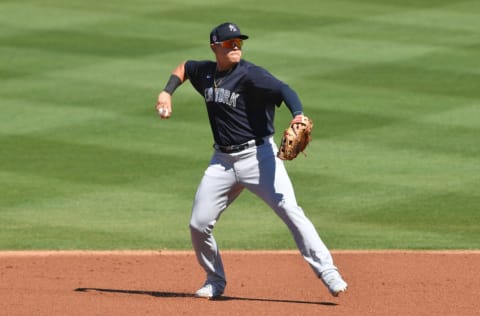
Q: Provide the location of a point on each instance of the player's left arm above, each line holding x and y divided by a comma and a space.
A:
291, 99
298, 135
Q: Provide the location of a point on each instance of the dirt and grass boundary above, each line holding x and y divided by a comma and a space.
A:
398, 282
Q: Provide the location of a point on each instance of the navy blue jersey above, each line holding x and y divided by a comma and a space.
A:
240, 102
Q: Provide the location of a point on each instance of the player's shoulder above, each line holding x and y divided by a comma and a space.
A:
199, 63
247, 65
198, 68
254, 70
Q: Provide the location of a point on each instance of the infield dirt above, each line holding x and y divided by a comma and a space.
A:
259, 283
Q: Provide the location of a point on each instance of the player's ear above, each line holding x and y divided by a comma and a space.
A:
212, 46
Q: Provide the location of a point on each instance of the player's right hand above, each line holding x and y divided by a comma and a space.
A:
164, 105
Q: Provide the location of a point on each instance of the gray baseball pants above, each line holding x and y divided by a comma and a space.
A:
258, 170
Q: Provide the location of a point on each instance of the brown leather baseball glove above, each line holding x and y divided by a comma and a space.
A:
295, 138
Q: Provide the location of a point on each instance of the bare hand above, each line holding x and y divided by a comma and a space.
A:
164, 105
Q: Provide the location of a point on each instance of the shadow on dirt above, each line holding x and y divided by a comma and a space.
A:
221, 298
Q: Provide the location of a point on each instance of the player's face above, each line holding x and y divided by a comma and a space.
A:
231, 43
228, 52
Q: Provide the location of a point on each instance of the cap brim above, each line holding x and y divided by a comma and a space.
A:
241, 36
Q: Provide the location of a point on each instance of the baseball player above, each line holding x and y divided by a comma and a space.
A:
241, 99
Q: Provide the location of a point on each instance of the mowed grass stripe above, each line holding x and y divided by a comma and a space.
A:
85, 163
399, 78
458, 19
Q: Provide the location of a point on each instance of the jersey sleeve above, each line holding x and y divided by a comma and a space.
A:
266, 85
191, 69
195, 72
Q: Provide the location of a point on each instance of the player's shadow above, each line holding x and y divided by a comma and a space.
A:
221, 298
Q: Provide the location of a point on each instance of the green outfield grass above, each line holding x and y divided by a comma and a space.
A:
393, 88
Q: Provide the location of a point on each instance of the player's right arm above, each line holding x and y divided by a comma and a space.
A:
164, 101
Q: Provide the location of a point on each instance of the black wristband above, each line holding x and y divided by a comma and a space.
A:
173, 83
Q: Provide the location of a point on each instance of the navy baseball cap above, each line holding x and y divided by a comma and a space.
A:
226, 31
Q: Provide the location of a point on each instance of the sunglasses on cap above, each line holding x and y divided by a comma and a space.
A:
235, 42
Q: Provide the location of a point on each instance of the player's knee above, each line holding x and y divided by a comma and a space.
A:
289, 207
291, 212
202, 228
